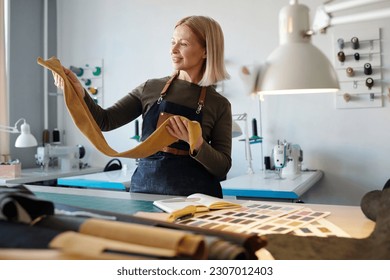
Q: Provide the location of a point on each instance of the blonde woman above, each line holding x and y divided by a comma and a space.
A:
197, 52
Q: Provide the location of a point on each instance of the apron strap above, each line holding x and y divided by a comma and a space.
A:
167, 84
202, 96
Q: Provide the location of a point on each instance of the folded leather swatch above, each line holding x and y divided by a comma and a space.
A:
18, 204
87, 125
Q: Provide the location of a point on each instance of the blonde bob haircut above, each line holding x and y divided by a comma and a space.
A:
210, 36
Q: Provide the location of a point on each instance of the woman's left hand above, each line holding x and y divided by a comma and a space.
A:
179, 129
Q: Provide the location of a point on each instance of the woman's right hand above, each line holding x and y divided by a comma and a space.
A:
59, 81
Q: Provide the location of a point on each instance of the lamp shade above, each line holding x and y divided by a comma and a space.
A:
236, 129
25, 139
296, 66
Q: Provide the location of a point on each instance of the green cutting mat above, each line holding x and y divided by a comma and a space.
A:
123, 206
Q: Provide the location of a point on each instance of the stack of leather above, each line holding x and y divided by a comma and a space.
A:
30, 229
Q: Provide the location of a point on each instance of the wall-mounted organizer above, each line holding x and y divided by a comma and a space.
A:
90, 75
357, 60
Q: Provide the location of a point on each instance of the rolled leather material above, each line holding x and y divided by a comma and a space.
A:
97, 241
183, 243
218, 244
85, 122
37, 254
96, 247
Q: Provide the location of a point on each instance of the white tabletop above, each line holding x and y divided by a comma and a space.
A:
270, 185
116, 179
349, 218
31, 175
259, 185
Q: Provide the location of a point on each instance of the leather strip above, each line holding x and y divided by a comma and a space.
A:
84, 120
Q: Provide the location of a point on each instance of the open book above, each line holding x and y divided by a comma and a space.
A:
201, 202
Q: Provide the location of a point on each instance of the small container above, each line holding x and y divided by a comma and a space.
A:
8, 170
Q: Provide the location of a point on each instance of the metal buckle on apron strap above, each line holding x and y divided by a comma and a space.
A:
201, 100
174, 151
160, 99
200, 106
168, 83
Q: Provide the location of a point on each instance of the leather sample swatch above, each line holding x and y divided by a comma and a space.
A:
87, 125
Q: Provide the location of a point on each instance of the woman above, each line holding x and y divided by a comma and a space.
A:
197, 51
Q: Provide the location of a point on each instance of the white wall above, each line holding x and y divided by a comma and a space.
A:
133, 38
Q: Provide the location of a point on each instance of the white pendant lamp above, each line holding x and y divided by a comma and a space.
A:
296, 66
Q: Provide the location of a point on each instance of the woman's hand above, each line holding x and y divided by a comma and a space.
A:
179, 129
59, 81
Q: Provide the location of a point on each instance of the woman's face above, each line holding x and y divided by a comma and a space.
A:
186, 51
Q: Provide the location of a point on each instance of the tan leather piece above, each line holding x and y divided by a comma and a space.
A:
182, 243
58, 254
96, 247
193, 246
85, 122
37, 254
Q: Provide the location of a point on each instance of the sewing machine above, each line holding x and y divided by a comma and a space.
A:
287, 158
65, 157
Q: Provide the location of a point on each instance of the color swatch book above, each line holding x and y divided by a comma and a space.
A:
202, 203
322, 228
258, 217
288, 223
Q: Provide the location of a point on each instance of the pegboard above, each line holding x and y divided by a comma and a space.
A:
357, 60
90, 74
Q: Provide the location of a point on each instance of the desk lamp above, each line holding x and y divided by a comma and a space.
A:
25, 139
236, 131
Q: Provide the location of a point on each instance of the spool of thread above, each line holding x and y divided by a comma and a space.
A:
350, 72
97, 72
347, 97
254, 127
356, 56
267, 163
136, 128
340, 42
77, 70
367, 69
369, 83
45, 137
56, 136
341, 56
355, 43
87, 82
93, 90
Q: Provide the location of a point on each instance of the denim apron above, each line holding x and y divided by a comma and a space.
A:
173, 172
